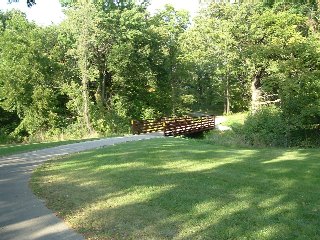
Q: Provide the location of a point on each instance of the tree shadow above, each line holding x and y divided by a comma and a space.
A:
193, 191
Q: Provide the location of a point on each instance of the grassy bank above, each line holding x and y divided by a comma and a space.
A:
9, 149
185, 189
235, 119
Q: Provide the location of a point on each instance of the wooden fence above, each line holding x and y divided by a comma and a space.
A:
174, 126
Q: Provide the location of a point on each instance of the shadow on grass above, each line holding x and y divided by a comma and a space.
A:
184, 189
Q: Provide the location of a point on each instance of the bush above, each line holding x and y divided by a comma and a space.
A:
265, 127
225, 138
304, 137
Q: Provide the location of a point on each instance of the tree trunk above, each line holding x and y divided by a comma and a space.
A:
83, 61
100, 91
173, 91
103, 91
256, 92
83, 65
227, 98
103, 88
86, 113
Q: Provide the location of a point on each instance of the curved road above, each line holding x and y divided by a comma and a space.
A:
22, 215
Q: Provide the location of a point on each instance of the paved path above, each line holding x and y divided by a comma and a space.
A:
22, 215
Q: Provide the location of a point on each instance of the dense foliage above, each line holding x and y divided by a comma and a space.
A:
111, 61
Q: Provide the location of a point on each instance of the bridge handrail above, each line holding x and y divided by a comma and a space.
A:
173, 126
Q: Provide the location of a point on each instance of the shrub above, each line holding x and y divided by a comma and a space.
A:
225, 138
265, 127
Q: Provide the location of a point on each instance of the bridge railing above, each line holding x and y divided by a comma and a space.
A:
147, 126
174, 126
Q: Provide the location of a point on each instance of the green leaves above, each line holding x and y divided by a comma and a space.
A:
28, 74
110, 61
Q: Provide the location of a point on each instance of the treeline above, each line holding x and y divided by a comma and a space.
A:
110, 62
102, 67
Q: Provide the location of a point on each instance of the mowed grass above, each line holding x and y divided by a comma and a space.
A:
9, 149
185, 189
235, 119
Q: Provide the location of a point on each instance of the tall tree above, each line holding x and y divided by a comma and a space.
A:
214, 46
170, 24
114, 44
28, 73
83, 22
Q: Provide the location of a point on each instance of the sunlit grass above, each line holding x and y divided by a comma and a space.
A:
185, 189
229, 137
236, 118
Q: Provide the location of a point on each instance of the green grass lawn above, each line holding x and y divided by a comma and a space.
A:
236, 118
9, 149
185, 189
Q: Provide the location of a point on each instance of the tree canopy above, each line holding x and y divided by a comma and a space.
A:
111, 61
30, 3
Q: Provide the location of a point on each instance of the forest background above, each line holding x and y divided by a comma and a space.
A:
110, 62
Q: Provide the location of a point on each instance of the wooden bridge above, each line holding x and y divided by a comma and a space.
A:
174, 126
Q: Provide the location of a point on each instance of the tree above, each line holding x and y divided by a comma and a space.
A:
83, 23
108, 5
168, 25
28, 80
114, 44
215, 48
30, 3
